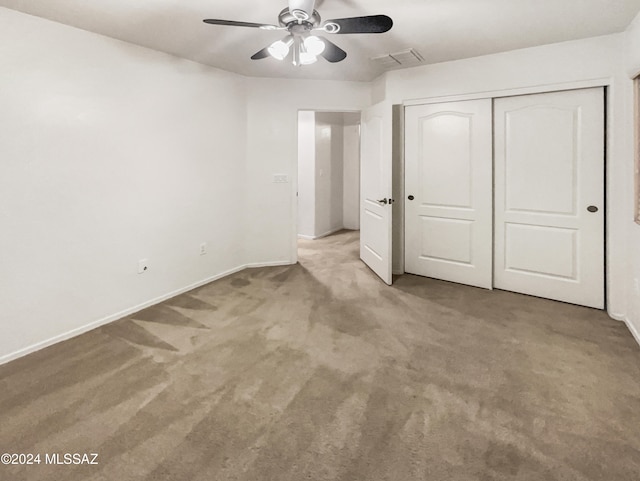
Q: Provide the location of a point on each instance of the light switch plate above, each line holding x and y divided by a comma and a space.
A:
280, 178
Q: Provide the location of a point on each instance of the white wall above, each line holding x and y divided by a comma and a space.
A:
632, 65
306, 174
273, 106
600, 60
329, 173
351, 159
109, 153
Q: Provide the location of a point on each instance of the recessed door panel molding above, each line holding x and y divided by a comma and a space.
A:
374, 155
448, 188
541, 161
549, 172
375, 190
446, 161
543, 251
447, 240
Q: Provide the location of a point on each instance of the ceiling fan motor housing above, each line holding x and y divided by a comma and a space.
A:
287, 19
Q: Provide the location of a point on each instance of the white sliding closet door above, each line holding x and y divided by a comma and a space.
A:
448, 191
549, 195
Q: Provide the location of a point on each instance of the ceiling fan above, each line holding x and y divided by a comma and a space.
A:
301, 21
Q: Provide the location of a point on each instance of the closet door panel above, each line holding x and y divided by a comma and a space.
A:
448, 187
549, 195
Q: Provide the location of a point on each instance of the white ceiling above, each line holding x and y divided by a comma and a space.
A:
440, 30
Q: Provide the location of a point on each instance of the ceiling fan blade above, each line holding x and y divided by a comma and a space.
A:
332, 53
368, 24
233, 23
264, 53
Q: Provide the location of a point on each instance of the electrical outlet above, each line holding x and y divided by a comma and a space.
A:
203, 248
143, 266
280, 178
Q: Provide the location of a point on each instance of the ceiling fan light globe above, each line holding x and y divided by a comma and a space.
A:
307, 58
314, 45
279, 50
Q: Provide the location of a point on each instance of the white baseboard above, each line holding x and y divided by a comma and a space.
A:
617, 316
254, 265
311, 237
635, 332
328, 233
119, 315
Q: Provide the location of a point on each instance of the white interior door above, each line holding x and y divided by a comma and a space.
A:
549, 195
448, 191
375, 190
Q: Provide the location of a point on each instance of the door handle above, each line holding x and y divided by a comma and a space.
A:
411, 197
592, 209
383, 201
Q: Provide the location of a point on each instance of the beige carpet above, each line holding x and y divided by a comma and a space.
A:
318, 371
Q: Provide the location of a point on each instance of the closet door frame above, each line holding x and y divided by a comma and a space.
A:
605, 83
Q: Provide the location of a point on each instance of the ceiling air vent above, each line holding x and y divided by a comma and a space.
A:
404, 58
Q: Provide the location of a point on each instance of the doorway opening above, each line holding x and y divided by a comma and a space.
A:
328, 173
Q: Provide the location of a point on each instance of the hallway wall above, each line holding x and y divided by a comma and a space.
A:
273, 105
306, 173
351, 160
328, 172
